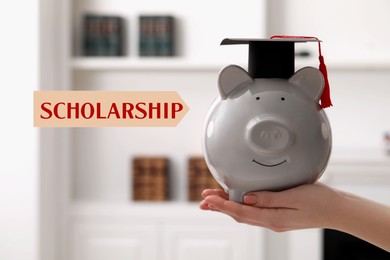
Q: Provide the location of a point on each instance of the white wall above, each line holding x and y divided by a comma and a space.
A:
18, 138
352, 30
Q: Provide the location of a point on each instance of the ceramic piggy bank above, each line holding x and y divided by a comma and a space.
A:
266, 133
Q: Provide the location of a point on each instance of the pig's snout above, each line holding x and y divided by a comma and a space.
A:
269, 135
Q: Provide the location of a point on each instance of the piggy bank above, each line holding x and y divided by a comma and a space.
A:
266, 133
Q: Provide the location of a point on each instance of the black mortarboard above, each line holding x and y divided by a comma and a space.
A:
270, 58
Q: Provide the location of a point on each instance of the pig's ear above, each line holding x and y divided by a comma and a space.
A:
230, 78
310, 80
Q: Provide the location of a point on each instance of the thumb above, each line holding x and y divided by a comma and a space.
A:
268, 199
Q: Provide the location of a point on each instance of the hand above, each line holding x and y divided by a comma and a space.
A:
306, 206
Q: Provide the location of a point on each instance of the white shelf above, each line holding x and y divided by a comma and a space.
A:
347, 63
152, 63
180, 63
142, 209
361, 155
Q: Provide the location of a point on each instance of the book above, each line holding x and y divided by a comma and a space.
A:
164, 42
156, 35
150, 179
199, 178
146, 36
103, 35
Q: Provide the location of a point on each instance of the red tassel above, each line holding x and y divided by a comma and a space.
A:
325, 97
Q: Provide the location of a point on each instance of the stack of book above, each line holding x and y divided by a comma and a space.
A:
156, 35
103, 36
150, 179
199, 179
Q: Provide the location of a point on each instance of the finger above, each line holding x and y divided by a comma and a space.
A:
272, 218
218, 192
268, 199
205, 206
243, 220
241, 213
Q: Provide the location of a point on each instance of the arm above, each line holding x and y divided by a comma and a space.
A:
307, 206
365, 219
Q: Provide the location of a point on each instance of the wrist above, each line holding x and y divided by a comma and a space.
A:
338, 210
346, 209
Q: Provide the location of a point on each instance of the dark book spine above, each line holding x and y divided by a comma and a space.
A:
193, 185
195, 180
156, 35
146, 36
91, 35
159, 179
103, 36
199, 178
100, 39
150, 179
164, 35
113, 36
139, 180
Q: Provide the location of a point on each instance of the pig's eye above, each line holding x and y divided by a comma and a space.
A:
257, 98
283, 99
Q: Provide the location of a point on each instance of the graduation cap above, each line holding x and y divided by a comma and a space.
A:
275, 58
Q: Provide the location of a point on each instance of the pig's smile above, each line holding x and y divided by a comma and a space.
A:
269, 165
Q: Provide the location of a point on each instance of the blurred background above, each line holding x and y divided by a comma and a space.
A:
132, 193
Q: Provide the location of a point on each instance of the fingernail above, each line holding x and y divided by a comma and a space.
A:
250, 199
207, 199
211, 207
